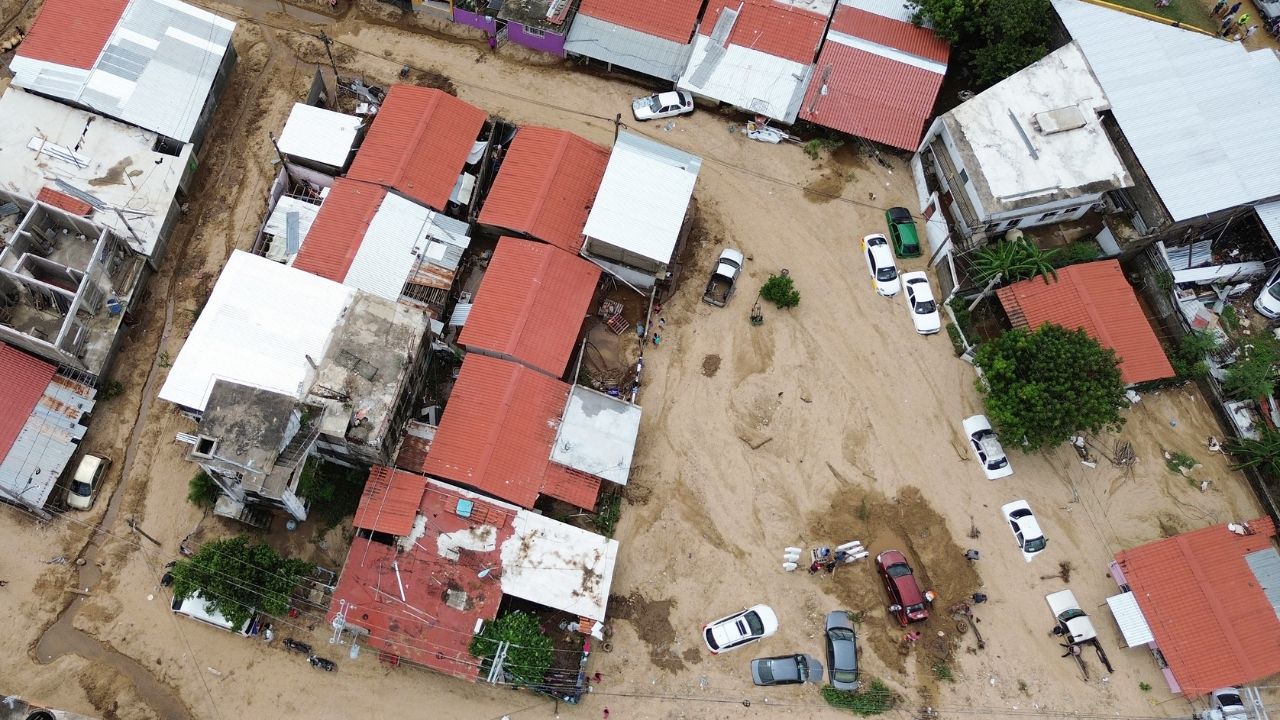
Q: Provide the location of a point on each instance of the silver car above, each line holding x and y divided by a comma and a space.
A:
842, 651
785, 670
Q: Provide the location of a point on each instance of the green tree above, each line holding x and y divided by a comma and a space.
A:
1042, 387
529, 654
237, 577
1253, 374
202, 491
1187, 358
781, 291
995, 37
1262, 454
1012, 261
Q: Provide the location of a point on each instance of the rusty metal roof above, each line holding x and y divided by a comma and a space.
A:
63, 201
66, 32
546, 186
23, 381
672, 20
770, 27
889, 32
419, 143
530, 305
1212, 622
1094, 297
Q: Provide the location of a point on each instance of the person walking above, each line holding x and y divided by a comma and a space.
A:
1218, 8
1249, 33
1234, 9
1244, 20
1225, 28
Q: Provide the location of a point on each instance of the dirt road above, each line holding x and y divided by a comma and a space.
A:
855, 421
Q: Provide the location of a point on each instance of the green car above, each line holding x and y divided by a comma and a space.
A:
902, 232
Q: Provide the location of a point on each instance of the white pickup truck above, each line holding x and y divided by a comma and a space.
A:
1072, 621
1224, 704
720, 287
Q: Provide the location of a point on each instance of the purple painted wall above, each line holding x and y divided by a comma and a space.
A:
549, 43
476, 20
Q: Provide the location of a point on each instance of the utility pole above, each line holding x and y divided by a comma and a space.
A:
283, 163
617, 125
328, 48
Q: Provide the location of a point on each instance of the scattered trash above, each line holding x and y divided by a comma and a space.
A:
59, 560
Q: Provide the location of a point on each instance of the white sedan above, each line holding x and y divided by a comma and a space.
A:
662, 105
879, 257
1026, 531
987, 447
924, 309
740, 628
1268, 302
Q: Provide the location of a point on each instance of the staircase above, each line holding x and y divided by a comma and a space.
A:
247, 514
298, 447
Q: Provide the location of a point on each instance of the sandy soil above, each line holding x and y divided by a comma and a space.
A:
831, 422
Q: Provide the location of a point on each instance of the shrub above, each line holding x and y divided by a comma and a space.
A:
111, 390
1252, 376
781, 291
332, 490
874, 699
607, 519
1074, 253
1187, 358
202, 491
528, 656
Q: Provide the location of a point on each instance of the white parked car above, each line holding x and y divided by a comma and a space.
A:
987, 447
1268, 302
1026, 531
879, 257
740, 628
1073, 623
87, 481
924, 309
662, 105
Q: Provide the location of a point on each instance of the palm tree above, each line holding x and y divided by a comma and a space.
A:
1013, 260
1262, 454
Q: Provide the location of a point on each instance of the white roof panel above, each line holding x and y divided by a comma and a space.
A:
749, 79
259, 327
597, 435
396, 237
643, 197
1133, 624
1269, 215
156, 70
558, 565
892, 9
114, 163
318, 134
1180, 98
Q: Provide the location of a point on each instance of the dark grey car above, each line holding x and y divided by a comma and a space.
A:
842, 651
785, 670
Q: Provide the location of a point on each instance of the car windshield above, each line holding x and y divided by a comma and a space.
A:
917, 608
1274, 291
81, 488
926, 307
886, 273
1069, 615
1229, 699
753, 621
840, 634
1035, 545
899, 570
655, 104
766, 671
845, 675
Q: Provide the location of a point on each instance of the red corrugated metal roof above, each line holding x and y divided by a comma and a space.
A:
63, 201
576, 488
424, 628
1211, 620
772, 28
904, 36
672, 20
1096, 298
419, 143
871, 96
530, 305
546, 186
339, 228
498, 428
71, 32
23, 381
390, 501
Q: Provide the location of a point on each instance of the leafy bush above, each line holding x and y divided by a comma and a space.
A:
607, 519
202, 491
957, 343
1043, 387
1262, 454
1077, 252
238, 578
816, 146
1179, 461
874, 699
333, 490
781, 291
1230, 319
1253, 375
111, 390
1012, 261
529, 654
1187, 358
943, 672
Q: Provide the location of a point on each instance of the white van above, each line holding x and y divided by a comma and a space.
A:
197, 608
87, 481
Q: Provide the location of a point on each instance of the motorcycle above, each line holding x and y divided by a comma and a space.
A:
294, 646
322, 663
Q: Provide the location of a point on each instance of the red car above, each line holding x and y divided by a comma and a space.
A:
900, 581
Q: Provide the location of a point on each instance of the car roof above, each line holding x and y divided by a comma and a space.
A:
991, 446
881, 253
669, 98
899, 214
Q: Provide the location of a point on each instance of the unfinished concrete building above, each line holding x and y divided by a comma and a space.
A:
65, 285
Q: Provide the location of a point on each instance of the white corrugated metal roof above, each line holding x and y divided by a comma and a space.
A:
1269, 214
558, 565
749, 79
260, 325
643, 197
597, 435
155, 72
317, 134
1181, 99
1133, 625
892, 9
1265, 566
628, 48
400, 233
